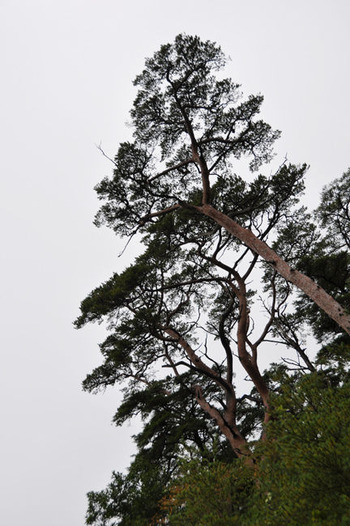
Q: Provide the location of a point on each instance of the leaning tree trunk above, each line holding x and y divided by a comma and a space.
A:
316, 293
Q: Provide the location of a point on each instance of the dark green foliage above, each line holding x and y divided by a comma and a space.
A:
304, 472
128, 500
332, 272
158, 170
334, 211
268, 198
210, 494
181, 78
172, 418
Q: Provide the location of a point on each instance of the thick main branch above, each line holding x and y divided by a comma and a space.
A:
316, 293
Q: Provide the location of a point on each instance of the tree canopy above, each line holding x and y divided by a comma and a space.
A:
233, 269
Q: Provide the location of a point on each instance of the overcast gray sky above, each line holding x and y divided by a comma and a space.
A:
66, 72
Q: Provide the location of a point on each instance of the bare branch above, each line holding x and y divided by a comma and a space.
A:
99, 147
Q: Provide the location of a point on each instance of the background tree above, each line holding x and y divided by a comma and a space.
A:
181, 313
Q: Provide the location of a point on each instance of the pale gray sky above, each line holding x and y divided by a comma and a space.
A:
66, 72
